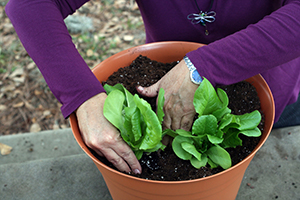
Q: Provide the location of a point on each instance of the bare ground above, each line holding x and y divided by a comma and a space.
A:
26, 102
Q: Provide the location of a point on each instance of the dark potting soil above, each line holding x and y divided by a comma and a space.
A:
165, 165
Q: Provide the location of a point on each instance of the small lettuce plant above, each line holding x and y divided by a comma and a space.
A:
214, 130
139, 126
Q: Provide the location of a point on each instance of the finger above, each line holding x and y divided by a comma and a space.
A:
176, 121
166, 140
129, 157
119, 154
116, 151
187, 122
166, 122
151, 91
175, 111
116, 160
99, 153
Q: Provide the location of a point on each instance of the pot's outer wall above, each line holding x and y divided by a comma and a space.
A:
223, 186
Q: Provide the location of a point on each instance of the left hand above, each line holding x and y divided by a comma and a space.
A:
179, 94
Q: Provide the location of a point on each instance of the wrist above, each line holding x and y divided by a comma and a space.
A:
98, 99
194, 74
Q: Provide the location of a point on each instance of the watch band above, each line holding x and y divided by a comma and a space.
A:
194, 75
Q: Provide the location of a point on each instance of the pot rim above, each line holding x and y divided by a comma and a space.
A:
77, 135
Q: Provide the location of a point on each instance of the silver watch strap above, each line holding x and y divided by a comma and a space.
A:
189, 64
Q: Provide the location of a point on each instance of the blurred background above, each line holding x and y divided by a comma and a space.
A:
99, 29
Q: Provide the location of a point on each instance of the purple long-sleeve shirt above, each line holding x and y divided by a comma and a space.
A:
248, 37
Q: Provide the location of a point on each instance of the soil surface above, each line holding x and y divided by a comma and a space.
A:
165, 165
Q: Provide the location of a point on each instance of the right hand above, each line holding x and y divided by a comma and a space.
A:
179, 94
101, 136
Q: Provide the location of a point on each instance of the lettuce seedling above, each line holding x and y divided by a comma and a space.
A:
214, 130
139, 126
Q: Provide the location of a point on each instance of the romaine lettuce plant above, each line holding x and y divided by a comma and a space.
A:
139, 126
214, 129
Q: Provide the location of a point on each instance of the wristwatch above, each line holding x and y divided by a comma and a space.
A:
194, 74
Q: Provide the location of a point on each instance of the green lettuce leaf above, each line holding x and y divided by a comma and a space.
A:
219, 156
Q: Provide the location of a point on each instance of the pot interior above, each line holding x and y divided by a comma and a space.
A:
169, 52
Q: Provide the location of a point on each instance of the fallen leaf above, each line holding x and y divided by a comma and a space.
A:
115, 19
37, 92
63, 126
17, 72
7, 28
8, 88
128, 38
117, 40
41, 107
20, 79
33, 120
46, 113
16, 92
17, 57
135, 6
29, 106
3, 107
5, 149
55, 126
31, 66
18, 105
35, 128
89, 53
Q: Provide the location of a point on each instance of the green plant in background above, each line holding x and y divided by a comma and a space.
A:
2, 62
214, 130
133, 24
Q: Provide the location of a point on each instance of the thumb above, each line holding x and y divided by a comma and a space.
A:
150, 91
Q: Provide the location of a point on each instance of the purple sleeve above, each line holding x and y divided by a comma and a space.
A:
273, 41
270, 47
42, 31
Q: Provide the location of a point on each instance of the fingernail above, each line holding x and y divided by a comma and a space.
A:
137, 171
140, 88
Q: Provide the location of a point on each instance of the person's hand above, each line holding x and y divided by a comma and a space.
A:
101, 136
179, 93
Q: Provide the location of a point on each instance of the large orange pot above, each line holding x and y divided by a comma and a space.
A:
224, 185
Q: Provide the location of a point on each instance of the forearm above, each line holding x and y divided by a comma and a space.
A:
269, 43
42, 31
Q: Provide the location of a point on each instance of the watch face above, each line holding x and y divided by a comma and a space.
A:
196, 77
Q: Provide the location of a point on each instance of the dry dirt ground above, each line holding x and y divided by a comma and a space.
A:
26, 103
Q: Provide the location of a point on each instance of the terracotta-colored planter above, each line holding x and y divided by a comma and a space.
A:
224, 185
